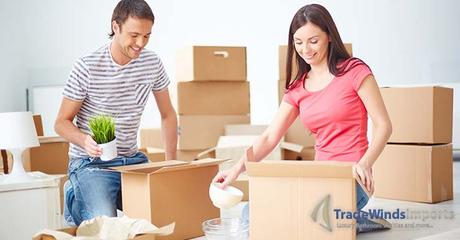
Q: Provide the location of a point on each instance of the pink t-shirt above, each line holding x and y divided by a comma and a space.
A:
335, 114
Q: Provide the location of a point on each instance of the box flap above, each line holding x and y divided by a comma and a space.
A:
205, 152
154, 150
193, 164
292, 147
42, 139
150, 167
244, 129
236, 141
317, 169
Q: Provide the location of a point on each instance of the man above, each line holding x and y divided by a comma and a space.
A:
115, 80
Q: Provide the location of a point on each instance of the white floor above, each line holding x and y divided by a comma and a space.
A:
443, 228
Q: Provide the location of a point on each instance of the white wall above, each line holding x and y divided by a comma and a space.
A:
404, 42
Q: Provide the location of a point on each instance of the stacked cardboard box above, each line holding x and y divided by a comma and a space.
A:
212, 91
151, 143
416, 164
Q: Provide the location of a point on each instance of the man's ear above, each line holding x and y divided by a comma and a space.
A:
115, 27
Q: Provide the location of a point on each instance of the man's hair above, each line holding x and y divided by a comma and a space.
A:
130, 8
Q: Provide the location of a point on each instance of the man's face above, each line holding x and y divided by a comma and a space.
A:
132, 36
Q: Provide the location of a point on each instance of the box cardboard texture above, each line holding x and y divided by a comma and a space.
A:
420, 114
307, 153
234, 147
298, 188
244, 129
420, 173
211, 98
151, 137
50, 157
203, 131
154, 154
211, 63
38, 124
170, 191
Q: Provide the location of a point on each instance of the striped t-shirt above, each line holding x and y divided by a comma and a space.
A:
104, 87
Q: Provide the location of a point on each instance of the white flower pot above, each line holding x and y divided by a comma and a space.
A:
109, 150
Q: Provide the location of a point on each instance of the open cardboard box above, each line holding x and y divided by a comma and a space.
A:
170, 191
297, 199
73, 231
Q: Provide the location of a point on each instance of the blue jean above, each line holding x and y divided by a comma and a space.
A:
361, 201
92, 190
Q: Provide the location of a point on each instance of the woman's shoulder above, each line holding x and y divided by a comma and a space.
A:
352, 66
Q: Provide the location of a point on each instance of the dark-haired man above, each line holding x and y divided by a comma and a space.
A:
115, 80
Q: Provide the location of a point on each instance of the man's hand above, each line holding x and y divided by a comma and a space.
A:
91, 147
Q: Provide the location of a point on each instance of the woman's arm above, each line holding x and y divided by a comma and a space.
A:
264, 144
370, 95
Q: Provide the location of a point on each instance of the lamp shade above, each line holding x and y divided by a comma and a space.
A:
17, 130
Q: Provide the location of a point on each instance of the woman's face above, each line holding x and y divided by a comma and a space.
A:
311, 43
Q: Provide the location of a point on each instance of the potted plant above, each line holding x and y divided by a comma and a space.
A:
103, 129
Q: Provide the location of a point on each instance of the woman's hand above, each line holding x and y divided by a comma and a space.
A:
226, 177
363, 173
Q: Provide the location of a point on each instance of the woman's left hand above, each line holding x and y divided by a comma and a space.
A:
363, 174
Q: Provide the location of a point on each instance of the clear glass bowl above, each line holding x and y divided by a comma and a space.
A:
226, 229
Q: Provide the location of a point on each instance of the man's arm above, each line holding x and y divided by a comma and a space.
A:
66, 129
168, 123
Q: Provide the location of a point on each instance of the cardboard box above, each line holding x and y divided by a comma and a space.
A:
170, 191
282, 53
51, 157
244, 129
38, 124
73, 231
154, 154
203, 131
191, 155
151, 137
420, 114
414, 173
306, 153
305, 193
234, 147
298, 134
213, 98
211, 63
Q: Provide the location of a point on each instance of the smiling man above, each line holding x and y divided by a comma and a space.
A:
115, 80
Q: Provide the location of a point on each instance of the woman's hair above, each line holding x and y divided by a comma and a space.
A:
337, 53
131, 8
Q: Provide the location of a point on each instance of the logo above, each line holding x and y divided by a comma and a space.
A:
321, 212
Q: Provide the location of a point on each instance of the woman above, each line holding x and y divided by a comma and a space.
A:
333, 94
